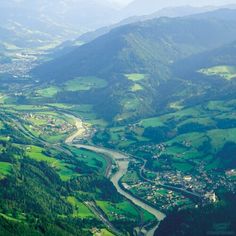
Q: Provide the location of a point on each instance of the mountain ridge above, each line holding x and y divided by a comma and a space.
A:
144, 30
148, 48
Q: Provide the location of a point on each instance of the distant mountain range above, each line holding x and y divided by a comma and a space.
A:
175, 38
140, 7
75, 14
165, 12
68, 46
39, 23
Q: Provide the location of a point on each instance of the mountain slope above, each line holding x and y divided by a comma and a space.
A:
136, 62
199, 222
132, 47
225, 55
54, 20
165, 12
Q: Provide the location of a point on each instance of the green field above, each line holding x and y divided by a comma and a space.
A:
193, 134
130, 104
64, 170
1, 124
44, 123
176, 105
61, 105
84, 84
185, 167
48, 92
136, 77
5, 169
225, 72
26, 108
112, 210
80, 209
131, 178
219, 137
136, 88
152, 122
36, 153
2, 98
105, 232
92, 159
124, 209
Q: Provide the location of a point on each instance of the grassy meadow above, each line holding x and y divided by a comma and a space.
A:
85, 84
225, 72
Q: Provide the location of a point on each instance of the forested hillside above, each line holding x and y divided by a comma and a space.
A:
137, 62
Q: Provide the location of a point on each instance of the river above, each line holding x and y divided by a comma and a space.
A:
122, 161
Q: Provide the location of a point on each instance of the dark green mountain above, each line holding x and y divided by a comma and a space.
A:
165, 12
218, 219
150, 49
131, 48
225, 55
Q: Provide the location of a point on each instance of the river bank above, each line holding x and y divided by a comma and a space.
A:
122, 162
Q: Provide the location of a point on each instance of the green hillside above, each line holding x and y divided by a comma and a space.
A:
203, 221
45, 186
139, 47
152, 48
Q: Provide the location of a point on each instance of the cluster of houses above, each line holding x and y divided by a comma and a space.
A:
231, 173
18, 68
202, 183
51, 125
162, 198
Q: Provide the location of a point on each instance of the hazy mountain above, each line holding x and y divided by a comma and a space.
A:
68, 46
150, 48
40, 22
168, 12
82, 13
53, 20
119, 50
140, 7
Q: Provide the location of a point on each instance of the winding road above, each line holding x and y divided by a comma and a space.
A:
122, 162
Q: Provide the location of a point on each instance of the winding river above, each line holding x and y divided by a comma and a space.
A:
122, 161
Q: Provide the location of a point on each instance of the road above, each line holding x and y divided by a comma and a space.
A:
122, 161
182, 190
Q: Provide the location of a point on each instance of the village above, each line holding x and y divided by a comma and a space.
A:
48, 124
176, 190
20, 65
